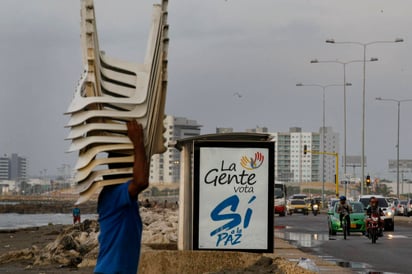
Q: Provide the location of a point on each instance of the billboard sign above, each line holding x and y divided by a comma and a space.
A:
233, 188
404, 165
354, 161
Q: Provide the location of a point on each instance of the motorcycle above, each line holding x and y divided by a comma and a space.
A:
373, 228
315, 209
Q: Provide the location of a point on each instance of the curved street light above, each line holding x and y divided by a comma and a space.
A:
364, 45
316, 61
397, 144
323, 127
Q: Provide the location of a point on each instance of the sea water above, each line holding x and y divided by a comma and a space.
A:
15, 220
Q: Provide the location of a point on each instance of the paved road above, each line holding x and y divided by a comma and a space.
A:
390, 254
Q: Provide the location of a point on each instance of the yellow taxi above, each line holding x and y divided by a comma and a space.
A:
297, 206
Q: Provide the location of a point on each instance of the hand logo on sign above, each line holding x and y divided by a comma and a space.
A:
250, 163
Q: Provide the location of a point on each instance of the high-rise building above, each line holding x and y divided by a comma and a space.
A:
330, 144
13, 167
258, 129
4, 167
224, 130
165, 168
283, 171
293, 165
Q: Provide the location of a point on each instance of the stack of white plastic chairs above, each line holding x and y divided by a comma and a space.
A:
110, 93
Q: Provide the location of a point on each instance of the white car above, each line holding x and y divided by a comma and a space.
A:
389, 218
408, 208
393, 203
332, 203
401, 208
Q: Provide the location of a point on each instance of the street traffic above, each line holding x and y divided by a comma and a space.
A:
391, 253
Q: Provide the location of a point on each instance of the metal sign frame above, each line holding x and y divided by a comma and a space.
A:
233, 196
405, 165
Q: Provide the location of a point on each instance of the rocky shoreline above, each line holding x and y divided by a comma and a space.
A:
44, 205
37, 205
74, 249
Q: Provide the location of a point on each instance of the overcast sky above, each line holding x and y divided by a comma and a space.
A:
258, 48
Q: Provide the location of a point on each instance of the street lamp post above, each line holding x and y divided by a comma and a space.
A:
364, 45
316, 61
397, 141
323, 127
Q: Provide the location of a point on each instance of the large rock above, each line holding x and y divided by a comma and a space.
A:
24, 254
71, 245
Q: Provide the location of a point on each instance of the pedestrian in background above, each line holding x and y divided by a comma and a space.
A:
76, 215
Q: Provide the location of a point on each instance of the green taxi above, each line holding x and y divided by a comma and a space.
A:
357, 219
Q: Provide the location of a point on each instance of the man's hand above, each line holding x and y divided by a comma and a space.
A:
140, 166
135, 133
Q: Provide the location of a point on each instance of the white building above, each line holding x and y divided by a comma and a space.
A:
13, 167
292, 165
7, 186
258, 129
330, 144
165, 168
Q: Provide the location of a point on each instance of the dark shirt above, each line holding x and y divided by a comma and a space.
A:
374, 210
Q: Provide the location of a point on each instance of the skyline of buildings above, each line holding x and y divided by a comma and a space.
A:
291, 164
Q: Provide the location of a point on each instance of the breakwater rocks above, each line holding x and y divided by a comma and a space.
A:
76, 246
56, 204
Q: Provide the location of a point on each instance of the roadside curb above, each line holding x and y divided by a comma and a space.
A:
403, 219
293, 254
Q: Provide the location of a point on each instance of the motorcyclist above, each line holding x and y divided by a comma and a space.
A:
344, 209
314, 202
374, 209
